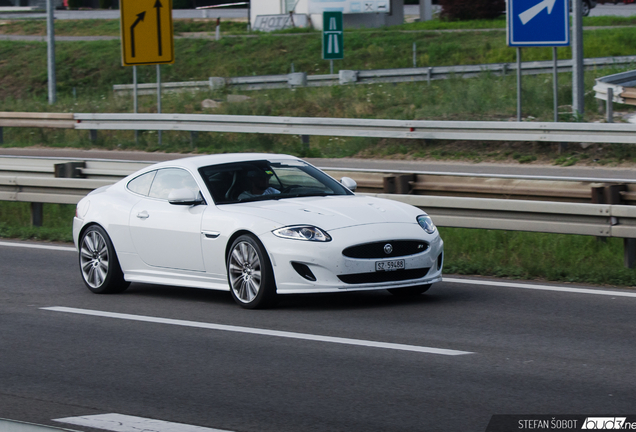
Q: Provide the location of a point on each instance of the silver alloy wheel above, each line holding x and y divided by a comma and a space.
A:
245, 272
94, 259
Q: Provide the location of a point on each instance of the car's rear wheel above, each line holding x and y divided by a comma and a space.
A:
409, 291
250, 273
99, 264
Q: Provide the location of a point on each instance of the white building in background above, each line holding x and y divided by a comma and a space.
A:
356, 13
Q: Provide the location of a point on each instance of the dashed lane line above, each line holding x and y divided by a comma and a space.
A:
261, 332
126, 423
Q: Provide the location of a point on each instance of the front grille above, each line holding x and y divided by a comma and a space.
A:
384, 276
377, 249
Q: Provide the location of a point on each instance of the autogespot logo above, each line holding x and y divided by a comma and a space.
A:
605, 423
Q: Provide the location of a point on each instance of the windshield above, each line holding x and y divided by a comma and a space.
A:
267, 180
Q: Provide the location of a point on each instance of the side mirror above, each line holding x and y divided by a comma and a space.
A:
349, 183
184, 197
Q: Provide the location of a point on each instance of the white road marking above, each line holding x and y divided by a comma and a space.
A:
262, 332
38, 246
541, 287
126, 423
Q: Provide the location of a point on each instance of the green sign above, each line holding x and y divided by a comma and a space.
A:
332, 36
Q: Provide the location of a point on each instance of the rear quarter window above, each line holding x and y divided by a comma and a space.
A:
141, 185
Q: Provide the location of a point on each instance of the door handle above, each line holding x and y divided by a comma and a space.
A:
143, 215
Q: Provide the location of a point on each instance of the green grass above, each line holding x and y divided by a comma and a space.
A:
100, 27
15, 222
486, 98
520, 255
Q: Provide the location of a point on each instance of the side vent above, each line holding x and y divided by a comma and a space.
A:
304, 271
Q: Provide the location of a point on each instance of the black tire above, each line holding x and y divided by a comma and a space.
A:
409, 291
250, 274
98, 262
585, 8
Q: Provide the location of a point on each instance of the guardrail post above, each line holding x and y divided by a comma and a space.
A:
92, 134
347, 76
305, 140
217, 83
598, 197
613, 196
1, 136
193, 138
403, 184
629, 254
37, 214
69, 170
429, 72
610, 105
297, 79
388, 184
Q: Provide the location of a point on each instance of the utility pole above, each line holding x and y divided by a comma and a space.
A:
50, 34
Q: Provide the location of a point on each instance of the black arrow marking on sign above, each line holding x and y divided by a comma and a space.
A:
140, 17
158, 6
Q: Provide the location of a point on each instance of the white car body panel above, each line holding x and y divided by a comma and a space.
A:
186, 245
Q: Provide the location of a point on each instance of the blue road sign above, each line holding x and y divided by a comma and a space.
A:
538, 23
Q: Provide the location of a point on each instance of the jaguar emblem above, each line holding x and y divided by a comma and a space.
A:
388, 248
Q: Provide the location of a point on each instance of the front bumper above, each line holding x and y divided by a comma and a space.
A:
329, 267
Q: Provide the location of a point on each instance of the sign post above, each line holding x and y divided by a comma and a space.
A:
536, 23
147, 38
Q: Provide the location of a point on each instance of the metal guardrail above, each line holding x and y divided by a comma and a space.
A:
36, 171
623, 86
344, 127
32, 119
376, 128
301, 79
31, 180
518, 215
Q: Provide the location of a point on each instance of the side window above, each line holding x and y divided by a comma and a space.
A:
170, 179
141, 184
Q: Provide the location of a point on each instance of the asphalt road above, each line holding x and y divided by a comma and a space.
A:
529, 352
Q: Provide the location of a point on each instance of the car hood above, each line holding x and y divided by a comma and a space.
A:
330, 212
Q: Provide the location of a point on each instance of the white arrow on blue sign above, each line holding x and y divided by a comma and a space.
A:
538, 23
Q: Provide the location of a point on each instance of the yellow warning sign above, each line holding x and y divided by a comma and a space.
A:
147, 35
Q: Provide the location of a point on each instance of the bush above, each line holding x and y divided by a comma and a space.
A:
105, 4
472, 9
75, 4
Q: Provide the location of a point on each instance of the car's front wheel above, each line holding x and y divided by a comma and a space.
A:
99, 264
250, 273
409, 291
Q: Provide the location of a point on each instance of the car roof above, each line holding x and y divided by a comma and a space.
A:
196, 162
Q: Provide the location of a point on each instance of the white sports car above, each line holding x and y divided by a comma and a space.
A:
257, 225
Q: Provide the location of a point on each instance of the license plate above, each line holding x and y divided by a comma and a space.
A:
389, 265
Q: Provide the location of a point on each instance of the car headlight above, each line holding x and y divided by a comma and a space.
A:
302, 232
426, 223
